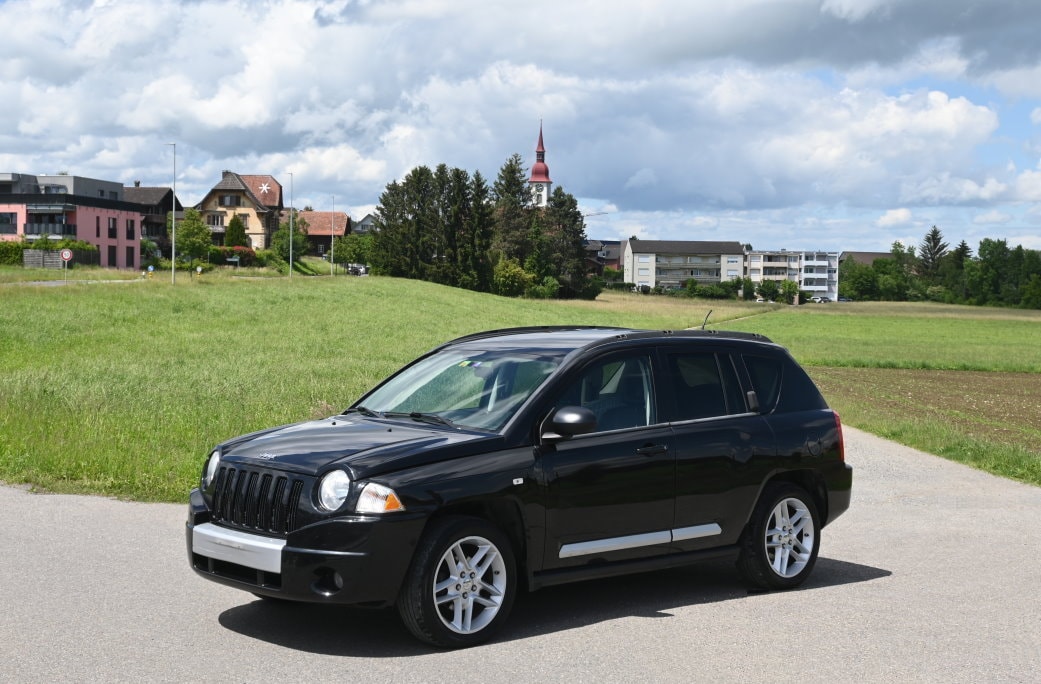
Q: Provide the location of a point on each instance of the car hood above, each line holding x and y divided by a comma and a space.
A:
366, 445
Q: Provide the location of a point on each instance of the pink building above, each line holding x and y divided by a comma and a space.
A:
94, 211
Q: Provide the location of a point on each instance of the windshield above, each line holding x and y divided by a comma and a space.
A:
465, 387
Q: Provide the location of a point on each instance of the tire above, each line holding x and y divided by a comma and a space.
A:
460, 587
779, 547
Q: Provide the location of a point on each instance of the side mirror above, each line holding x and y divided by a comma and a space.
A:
568, 422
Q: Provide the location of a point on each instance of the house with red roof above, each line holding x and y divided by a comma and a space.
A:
255, 199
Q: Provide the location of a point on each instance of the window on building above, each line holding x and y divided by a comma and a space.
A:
112, 229
230, 201
97, 226
215, 220
111, 256
644, 259
644, 272
131, 262
130, 229
8, 223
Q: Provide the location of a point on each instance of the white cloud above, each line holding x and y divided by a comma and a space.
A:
991, 217
1028, 186
894, 218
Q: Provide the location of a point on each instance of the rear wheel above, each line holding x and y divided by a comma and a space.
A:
461, 584
779, 547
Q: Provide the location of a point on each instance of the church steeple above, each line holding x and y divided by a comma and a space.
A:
540, 184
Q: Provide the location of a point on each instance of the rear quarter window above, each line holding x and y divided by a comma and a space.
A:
781, 385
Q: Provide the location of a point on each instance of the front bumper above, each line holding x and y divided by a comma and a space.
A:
347, 560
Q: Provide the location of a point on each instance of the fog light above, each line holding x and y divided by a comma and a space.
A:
328, 583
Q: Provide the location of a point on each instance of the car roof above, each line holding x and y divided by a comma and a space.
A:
577, 337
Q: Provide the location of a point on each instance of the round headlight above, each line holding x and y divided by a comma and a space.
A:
333, 490
211, 469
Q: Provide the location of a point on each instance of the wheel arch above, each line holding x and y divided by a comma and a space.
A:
504, 514
808, 480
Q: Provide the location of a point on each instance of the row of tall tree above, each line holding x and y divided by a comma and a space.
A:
448, 226
997, 275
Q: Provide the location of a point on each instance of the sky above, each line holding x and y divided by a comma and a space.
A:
839, 125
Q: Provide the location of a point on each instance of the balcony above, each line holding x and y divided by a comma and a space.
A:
49, 229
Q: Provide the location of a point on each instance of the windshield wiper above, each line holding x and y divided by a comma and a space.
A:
369, 413
431, 418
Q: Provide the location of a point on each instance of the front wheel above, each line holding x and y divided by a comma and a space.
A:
780, 544
461, 584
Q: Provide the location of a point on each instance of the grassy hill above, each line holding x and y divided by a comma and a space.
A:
122, 388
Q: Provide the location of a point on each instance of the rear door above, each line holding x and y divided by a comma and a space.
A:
717, 442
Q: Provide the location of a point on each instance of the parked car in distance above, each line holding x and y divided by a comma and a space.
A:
511, 460
820, 300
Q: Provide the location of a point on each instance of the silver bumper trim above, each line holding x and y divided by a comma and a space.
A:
242, 548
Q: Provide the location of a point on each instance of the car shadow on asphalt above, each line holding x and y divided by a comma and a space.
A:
356, 632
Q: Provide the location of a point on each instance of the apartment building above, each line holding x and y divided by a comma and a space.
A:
671, 263
817, 273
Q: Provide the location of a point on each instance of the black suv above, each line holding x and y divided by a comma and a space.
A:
517, 459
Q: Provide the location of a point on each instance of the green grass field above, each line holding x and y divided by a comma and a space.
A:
122, 388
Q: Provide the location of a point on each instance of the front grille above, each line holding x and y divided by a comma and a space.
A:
255, 500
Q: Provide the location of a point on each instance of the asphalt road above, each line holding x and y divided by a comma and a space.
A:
934, 574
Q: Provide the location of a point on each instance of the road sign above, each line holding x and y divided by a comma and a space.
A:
66, 255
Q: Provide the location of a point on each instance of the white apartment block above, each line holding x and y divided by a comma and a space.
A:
817, 273
671, 263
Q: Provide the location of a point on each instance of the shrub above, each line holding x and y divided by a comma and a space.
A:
547, 290
509, 279
11, 253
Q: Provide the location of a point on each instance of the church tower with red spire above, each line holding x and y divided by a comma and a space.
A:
539, 184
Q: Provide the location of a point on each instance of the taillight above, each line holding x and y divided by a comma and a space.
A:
842, 443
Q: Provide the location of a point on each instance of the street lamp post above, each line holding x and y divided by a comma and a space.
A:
173, 220
291, 233
332, 242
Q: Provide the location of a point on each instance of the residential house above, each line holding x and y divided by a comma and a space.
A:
256, 200
365, 226
671, 263
601, 254
156, 203
64, 206
864, 258
322, 228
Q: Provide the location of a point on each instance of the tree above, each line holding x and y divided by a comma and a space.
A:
769, 290
857, 281
193, 235
512, 210
789, 291
930, 255
280, 240
353, 249
565, 234
235, 234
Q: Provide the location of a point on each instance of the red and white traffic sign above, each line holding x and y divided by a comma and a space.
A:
66, 255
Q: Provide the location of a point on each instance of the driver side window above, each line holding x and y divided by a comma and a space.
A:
619, 392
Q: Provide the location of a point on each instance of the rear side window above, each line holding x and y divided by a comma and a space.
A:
705, 385
782, 386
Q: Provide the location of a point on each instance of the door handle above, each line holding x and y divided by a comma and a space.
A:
652, 449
